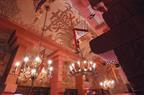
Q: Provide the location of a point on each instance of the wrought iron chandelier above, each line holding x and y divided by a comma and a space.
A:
83, 67
107, 84
34, 67
37, 65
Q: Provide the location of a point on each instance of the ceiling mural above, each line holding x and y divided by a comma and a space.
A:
62, 23
9, 8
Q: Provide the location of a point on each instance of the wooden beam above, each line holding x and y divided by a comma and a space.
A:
33, 38
64, 56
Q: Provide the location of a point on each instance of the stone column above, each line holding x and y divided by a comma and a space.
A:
10, 83
56, 81
79, 85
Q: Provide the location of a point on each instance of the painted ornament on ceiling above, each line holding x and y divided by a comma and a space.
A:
9, 8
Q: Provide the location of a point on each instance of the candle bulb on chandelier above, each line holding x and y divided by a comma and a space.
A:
51, 68
70, 67
17, 64
78, 62
94, 66
26, 59
33, 72
49, 62
43, 71
38, 59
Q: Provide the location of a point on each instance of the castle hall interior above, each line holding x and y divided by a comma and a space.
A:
71, 47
